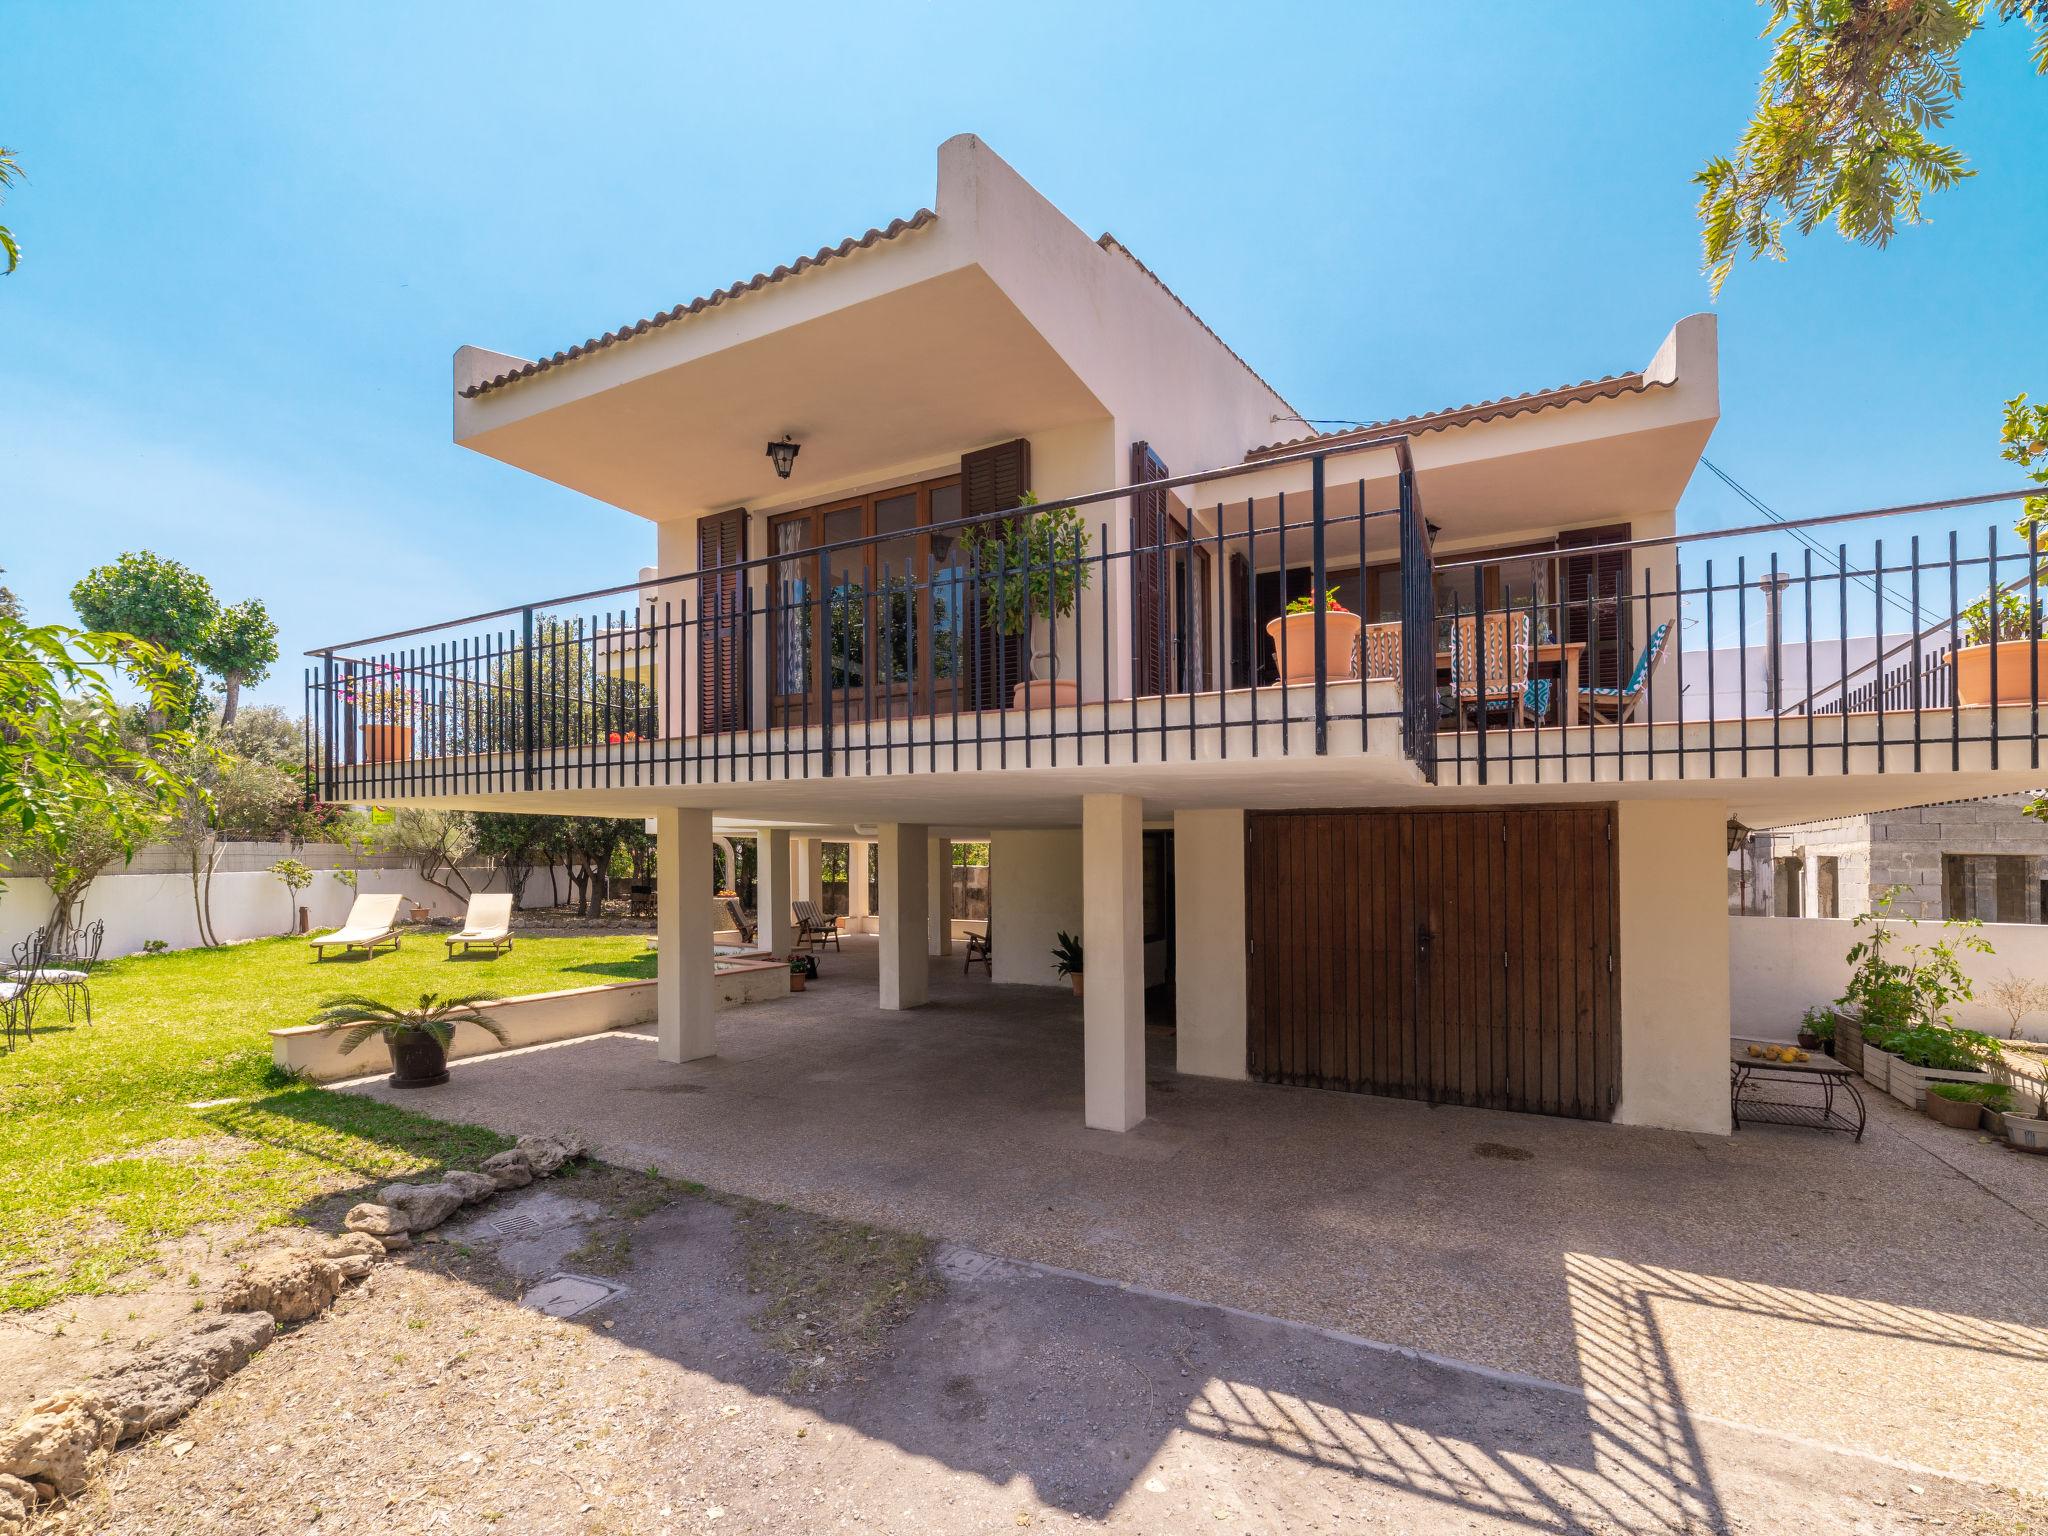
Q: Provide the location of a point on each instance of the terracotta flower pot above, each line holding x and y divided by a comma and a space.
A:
1039, 694
2015, 671
1295, 654
417, 1060
1075, 978
1963, 1114
387, 743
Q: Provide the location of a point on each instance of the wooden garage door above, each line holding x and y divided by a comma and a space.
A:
1462, 957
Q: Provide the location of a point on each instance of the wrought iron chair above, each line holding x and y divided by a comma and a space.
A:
1616, 705
18, 991
68, 966
1502, 650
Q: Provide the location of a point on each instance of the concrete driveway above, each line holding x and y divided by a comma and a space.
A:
1882, 1297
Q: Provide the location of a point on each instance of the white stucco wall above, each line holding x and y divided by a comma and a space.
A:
1674, 964
1034, 894
1209, 942
1778, 967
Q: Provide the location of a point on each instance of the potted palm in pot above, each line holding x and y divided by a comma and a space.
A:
416, 1037
1294, 637
1066, 959
2008, 625
1032, 567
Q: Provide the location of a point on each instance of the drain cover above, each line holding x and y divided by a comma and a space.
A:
511, 1226
569, 1295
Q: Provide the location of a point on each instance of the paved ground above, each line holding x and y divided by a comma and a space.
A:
1884, 1297
428, 1402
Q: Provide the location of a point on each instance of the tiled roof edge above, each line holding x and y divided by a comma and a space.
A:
758, 281
1611, 387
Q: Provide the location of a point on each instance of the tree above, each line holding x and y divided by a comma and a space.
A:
1842, 123
69, 767
437, 843
517, 844
10, 605
238, 649
246, 798
294, 877
10, 173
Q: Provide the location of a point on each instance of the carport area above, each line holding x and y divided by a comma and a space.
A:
1880, 1296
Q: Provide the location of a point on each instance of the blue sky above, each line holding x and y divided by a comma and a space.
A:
254, 235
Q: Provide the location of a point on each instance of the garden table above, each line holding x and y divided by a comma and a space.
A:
1821, 1110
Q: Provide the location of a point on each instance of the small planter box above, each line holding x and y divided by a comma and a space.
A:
1877, 1067
2026, 1132
1908, 1083
1849, 1043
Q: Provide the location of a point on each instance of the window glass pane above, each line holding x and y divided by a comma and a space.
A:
894, 606
792, 607
847, 568
951, 591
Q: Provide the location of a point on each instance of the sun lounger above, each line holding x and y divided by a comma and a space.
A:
372, 923
487, 925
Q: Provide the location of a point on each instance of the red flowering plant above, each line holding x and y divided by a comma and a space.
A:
379, 695
1306, 603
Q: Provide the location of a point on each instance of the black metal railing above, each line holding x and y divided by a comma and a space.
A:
1669, 658
872, 656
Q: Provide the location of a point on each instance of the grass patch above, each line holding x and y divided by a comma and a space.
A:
834, 1290
102, 1156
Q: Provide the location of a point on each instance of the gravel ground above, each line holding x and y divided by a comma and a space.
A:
1882, 1296
991, 1396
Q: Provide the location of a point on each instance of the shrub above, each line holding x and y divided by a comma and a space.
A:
1997, 1095
1944, 1050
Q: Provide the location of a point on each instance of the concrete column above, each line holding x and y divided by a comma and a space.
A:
685, 991
1674, 964
857, 880
803, 869
775, 932
1209, 943
941, 943
906, 970
1113, 947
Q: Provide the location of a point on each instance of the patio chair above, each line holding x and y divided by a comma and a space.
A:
18, 996
372, 923
486, 925
1504, 685
738, 920
812, 926
66, 965
1380, 648
979, 952
1615, 706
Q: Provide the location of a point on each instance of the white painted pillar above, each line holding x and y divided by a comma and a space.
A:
941, 937
1113, 954
774, 931
1673, 867
1209, 943
803, 869
857, 880
906, 969
685, 991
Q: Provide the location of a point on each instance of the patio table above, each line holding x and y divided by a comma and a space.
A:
1821, 1110
1547, 658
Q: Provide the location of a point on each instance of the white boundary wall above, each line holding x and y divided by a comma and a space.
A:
152, 897
1778, 967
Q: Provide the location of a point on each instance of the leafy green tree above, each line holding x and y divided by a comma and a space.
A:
294, 877
1842, 130
438, 843
238, 648
10, 173
517, 844
70, 769
10, 605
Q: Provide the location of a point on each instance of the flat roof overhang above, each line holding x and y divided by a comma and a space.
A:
914, 375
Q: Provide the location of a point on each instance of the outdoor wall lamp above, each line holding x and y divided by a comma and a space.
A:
784, 454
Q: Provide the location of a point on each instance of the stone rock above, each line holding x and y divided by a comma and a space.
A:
424, 1206
377, 1220
397, 1242
547, 1153
159, 1385
60, 1441
476, 1187
362, 1244
509, 1170
291, 1284
17, 1498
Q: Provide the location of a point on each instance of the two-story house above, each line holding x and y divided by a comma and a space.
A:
969, 527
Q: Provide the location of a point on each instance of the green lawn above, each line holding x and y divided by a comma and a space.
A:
102, 1153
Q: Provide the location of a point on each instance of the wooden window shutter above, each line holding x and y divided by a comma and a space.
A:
1604, 625
1149, 592
994, 480
723, 673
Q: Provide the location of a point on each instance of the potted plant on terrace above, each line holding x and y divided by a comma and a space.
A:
802, 969
1294, 637
1936, 1053
2003, 624
1032, 567
1894, 998
1066, 959
386, 707
1964, 1105
1817, 1029
417, 1037
2029, 1133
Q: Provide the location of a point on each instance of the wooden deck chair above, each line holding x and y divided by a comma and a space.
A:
372, 923
487, 925
812, 926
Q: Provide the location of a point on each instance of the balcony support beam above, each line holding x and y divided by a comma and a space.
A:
906, 969
685, 987
937, 905
774, 930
